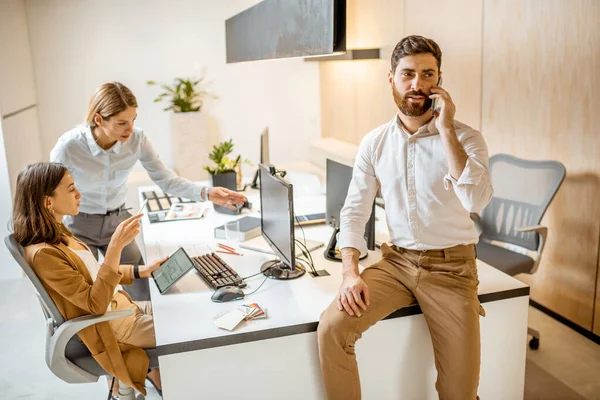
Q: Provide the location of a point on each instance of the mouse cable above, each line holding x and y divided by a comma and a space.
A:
258, 273
259, 286
251, 276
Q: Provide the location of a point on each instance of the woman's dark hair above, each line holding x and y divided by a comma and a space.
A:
32, 222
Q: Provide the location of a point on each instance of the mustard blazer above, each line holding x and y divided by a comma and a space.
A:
69, 284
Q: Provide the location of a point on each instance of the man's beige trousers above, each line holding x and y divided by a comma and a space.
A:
444, 284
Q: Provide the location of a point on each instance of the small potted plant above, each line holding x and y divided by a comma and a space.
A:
189, 129
227, 171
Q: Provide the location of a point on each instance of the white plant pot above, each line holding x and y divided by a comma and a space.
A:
191, 144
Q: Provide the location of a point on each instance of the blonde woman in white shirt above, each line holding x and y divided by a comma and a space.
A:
100, 156
432, 172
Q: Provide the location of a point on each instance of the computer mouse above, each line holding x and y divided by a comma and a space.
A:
227, 293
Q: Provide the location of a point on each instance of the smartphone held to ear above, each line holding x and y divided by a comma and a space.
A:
439, 83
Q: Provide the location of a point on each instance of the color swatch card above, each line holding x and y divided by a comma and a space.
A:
252, 311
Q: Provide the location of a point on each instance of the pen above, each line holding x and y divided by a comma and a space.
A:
142, 206
228, 252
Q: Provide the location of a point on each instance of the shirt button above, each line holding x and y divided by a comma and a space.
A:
409, 165
412, 217
411, 192
416, 240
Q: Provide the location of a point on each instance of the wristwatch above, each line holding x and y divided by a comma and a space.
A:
136, 271
204, 193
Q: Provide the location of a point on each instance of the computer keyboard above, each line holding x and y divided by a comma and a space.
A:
216, 272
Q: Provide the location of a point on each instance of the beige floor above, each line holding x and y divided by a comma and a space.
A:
564, 355
567, 365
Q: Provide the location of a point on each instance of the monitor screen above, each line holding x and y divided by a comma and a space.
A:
277, 214
339, 177
169, 272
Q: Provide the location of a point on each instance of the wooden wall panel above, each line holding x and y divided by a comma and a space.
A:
596, 326
355, 95
541, 67
456, 26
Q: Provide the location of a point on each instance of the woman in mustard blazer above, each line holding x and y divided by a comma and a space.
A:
77, 284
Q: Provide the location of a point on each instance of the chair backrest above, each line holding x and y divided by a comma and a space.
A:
48, 306
523, 190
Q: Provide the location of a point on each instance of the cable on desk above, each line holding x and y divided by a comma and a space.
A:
303, 247
251, 276
259, 286
308, 257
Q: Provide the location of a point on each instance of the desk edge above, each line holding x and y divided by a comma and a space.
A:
274, 333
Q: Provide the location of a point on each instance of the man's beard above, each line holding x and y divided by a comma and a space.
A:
411, 109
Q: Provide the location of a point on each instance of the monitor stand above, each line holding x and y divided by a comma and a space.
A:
332, 253
275, 269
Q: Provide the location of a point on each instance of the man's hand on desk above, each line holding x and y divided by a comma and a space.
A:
146, 270
225, 197
354, 292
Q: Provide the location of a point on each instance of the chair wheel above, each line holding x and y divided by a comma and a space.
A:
534, 343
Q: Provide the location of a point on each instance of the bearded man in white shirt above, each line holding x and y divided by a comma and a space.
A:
432, 172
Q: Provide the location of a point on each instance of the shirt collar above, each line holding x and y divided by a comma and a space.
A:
426, 130
94, 148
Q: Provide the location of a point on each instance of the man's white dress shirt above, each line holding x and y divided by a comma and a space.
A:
426, 208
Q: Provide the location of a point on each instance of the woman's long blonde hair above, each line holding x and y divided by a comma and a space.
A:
108, 100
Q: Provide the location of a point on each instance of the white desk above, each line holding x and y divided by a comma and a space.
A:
277, 357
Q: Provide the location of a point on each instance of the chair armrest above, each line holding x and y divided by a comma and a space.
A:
543, 232
55, 351
533, 228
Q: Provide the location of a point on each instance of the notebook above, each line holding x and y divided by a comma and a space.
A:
249, 228
260, 244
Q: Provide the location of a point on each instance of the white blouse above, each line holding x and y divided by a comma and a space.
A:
92, 264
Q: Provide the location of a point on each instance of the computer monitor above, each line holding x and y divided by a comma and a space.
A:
264, 155
277, 223
338, 178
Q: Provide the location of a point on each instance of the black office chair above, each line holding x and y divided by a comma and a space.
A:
66, 356
511, 238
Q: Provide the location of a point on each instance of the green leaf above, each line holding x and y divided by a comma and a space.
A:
184, 95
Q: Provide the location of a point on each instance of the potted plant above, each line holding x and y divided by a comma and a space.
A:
189, 130
227, 171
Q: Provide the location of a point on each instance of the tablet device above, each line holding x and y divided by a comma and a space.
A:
169, 272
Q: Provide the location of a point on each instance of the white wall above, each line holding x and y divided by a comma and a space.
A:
19, 127
17, 90
9, 269
78, 45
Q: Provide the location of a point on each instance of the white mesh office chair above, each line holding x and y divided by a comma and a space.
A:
512, 239
66, 356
